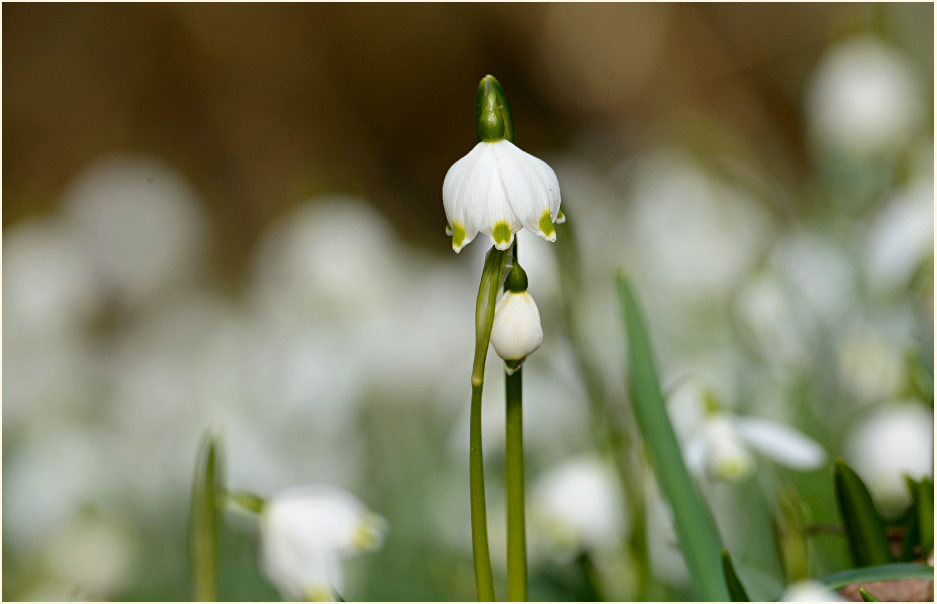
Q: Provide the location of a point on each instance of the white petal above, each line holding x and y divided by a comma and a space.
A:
305, 532
516, 331
498, 212
694, 453
782, 443
532, 188
726, 456
464, 192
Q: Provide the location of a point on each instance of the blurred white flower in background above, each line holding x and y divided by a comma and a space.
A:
50, 289
810, 591
578, 506
871, 364
332, 258
900, 237
720, 444
894, 440
94, 554
141, 224
307, 532
779, 327
688, 234
864, 98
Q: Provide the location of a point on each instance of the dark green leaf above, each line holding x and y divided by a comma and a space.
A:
736, 591
872, 574
866, 596
696, 531
864, 527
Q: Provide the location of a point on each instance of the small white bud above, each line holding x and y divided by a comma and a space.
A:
516, 331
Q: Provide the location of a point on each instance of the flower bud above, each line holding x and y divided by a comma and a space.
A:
492, 113
516, 331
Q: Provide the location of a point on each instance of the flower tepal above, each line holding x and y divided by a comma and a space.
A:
307, 532
498, 189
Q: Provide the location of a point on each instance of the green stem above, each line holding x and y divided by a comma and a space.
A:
514, 477
484, 316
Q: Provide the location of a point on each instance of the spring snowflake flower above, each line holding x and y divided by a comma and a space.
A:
721, 444
516, 331
497, 189
894, 441
307, 532
579, 506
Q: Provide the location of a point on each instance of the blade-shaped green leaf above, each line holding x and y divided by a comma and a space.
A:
207, 487
696, 531
872, 574
864, 527
925, 509
866, 596
736, 590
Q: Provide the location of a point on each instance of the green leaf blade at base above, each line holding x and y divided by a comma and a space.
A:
696, 531
736, 590
864, 527
873, 574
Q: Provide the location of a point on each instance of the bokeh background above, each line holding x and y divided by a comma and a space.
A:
230, 216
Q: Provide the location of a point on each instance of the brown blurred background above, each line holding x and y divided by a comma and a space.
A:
262, 106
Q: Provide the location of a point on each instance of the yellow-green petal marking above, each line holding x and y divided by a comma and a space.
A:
458, 235
501, 233
546, 224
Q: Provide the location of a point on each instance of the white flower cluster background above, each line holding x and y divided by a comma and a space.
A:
790, 302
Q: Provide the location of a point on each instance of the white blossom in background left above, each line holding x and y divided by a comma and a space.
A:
307, 532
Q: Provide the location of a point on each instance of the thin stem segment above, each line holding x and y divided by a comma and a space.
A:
514, 477
484, 317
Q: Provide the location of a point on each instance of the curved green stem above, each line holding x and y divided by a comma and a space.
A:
484, 316
514, 477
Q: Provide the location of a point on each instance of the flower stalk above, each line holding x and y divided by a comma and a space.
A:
484, 317
514, 481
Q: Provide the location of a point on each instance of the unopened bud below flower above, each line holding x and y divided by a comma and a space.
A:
516, 331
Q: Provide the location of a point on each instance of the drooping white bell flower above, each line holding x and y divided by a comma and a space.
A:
578, 506
721, 444
894, 441
497, 189
305, 534
516, 331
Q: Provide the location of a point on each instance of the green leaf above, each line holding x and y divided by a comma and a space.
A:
864, 527
866, 596
925, 508
872, 574
248, 502
736, 591
207, 485
696, 531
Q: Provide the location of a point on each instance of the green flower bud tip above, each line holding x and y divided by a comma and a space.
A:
517, 279
493, 120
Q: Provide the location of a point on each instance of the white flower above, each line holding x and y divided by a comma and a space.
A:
516, 331
810, 591
579, 506
864, 97
720, 444
894, 441
306, 532
497, 189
